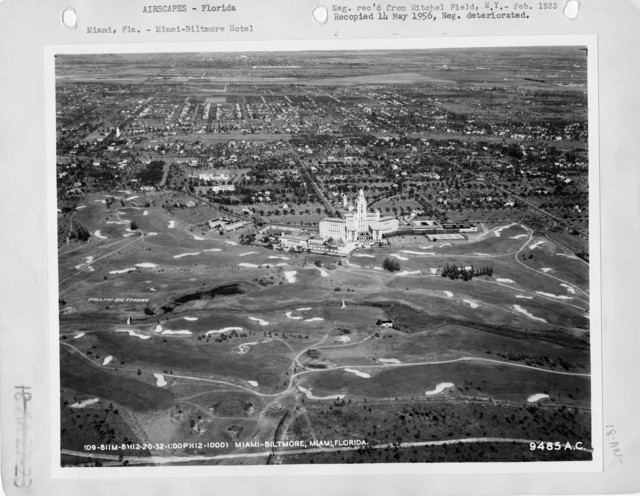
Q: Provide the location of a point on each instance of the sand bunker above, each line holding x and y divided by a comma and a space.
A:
247, 253
290, 275
426, 247
443, 245
519, 236
364, 375
546, 269
192, 254
146, 212
107, 360
146, 265
471, 303
123, 271
250, 265
389, 360
570, 289
311, 396
122, 222
158, 328
314, 319
127, 235
131, 198
169, 331
537, 397
500, 229
566, 255
449, 294
100, 201
407, 273
294, 317
79, 335
342, 339
190, 318
343, 304
528, 314
363, 255
160, 382
536, 244
525, 297
133, 333
280, 258
198, 238
212, 249
281, 264
399, 257
259, 321
551, 295
378, 268
417, 252
99, 235
323, 272
353, 265
231, 243
81, 207
83, 403
152, 234
439, 388
244, 348
433, 271
509, 281
253, 383
223, 330
303, 309
172, 224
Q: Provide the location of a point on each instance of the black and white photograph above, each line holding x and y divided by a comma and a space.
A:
324, 257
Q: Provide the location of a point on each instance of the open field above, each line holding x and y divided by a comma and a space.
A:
212, 338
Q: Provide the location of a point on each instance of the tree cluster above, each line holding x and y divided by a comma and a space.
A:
391, 265
151, 175
79, 232
466, 274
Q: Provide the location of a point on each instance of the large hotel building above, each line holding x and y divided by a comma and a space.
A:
358, 226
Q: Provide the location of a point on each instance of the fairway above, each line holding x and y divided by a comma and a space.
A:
228, 330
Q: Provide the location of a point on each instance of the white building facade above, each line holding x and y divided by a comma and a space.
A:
359, 226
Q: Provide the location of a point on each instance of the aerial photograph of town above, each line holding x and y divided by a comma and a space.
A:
323, 257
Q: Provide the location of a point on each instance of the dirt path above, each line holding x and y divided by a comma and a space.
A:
129, 242
517, 257
440, 362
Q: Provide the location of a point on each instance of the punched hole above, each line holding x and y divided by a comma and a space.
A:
69, 18
320, 14
571, 9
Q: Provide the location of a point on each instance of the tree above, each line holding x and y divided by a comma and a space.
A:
391, 265
133, 225
81, 233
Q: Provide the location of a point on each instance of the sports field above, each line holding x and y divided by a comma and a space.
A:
207, 347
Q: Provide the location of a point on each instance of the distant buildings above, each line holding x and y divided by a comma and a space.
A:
226, 224
223, 187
